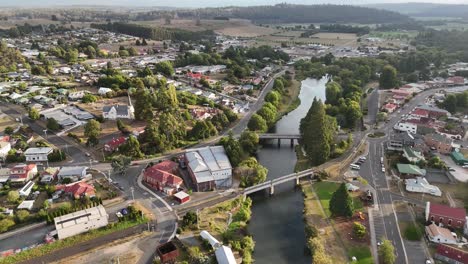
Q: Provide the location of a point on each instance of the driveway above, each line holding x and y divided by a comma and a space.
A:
461, 174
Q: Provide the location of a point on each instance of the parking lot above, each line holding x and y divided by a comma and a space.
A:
461, 174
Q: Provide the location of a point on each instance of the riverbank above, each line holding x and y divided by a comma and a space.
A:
290, 101
227, 222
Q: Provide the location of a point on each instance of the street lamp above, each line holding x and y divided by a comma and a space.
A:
45, 132
131, 190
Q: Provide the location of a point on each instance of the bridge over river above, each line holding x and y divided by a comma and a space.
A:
279, 137
272, 183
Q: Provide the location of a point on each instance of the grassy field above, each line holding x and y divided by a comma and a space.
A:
325, 191
291, 100
362, 253
6, 121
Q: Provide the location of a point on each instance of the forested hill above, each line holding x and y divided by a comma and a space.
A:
426, 9
287, 13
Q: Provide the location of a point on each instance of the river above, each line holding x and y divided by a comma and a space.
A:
276, 224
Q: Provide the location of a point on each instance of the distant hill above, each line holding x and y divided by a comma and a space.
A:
288, 13
425, 9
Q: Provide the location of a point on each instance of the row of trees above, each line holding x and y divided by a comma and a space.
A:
456, 102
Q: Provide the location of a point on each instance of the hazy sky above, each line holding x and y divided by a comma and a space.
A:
205, 3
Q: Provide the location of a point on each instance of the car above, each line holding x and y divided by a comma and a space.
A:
383, 169
87, 154
362, 158
451, 169
119, 214
428, 261
465, 166
124, 211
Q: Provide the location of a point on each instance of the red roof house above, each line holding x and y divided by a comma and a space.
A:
161, 177
456, 80
390, 107
449, 254
420, 113
22, 172
114, 144
401, 92
445, 215
197, 76
78, 189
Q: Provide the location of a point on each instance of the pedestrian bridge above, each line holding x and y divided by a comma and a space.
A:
272, 183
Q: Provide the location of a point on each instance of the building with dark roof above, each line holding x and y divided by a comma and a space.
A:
458, 158
438, 142
448, 254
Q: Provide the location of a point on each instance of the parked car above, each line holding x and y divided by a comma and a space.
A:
383, 169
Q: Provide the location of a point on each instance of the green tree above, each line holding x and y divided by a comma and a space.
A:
450, 103
122, 127
387, 252
232, 148
71, 56
173, 127
388, 77
341, 204
131, 148
6, 224
189, 219
333, 93
252, 172
278, 85
273, 97
120, 164
13, 196
88, 98
249, 141
52, 124
33, 114
319, 256
92, 129
152, 140
22, 216
143, 105
359, 230
132, 51
164, 67
269, 113
317, 132
8, 130
257, 123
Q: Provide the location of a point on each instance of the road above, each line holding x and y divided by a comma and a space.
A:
385, 218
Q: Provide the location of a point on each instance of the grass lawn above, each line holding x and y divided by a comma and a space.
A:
362, 253
325, 191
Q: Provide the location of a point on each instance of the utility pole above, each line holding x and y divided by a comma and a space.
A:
45, 132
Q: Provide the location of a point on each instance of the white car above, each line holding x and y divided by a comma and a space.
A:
383, 169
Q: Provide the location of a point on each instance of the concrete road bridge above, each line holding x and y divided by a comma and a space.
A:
279, 137
272, 183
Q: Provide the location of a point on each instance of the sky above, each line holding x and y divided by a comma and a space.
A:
205, 3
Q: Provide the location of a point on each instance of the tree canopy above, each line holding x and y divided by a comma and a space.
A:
341, 203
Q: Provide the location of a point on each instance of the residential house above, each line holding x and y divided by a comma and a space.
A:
104, 90
209, 167
444, 215
435, 113
456, 80
78, 190
421, 185
182, 197
161, 177
22, 172
77, 95
114, 144
118, 111
5, 147
420, 113
412, 155
410, 170
390, 108
73, 173
406, 127
438, 142
458, 158
38, 154
440, 235
451, 255
49, 174
27, 188
4, 175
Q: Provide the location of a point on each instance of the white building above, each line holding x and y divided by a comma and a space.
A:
406, 127
118, 111
81, 221
74, 173
440, 235
4, 148
104, 90
37, 154
76, 95
223, 254
209, 167
27, 188
421, 185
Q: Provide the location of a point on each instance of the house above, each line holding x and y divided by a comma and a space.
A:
420, 113
209, 167
410, 170
118, 111
22, 172
4, 148
114, 144
421, 185
451, 255
37, 154
440, 235
390, 108
412, 155
457, 80
26, 204
406, 127
73, 173
167, 252
4, 175
26, 190
81, 221
435, 113
182, 197
445, 215
76, 95
78, 189
161, 177
458, 158
438, 142
49, 174
104, 90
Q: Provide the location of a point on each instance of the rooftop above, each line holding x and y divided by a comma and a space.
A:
444, 210
452, 253
435, 230
410, 169
35, 151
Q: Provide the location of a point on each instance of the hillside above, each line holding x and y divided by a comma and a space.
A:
287, 13
426, 9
